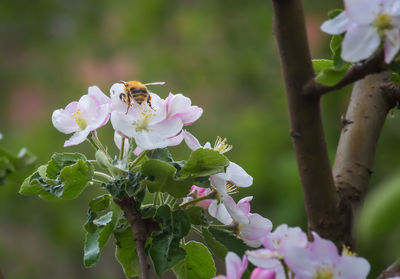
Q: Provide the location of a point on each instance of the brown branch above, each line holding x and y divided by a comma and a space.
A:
391, 271
141, 229
305, 119
362, 125
374, 64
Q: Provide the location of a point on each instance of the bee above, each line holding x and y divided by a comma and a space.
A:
137, 91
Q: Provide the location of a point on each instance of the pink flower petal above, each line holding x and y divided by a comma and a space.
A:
235, 267
190, 140
118, 142
256, 231
260, 273
96, 93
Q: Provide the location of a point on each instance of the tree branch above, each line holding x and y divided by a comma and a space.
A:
305, 119
374, 64
391, 271
141, 229
362, 125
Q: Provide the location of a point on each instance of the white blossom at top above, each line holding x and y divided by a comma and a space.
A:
366, 23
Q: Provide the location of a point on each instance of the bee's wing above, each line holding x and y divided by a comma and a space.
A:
155, 83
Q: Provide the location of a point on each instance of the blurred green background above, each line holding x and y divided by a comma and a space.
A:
222, 55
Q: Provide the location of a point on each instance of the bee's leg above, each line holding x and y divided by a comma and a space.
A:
128, 102
149, 102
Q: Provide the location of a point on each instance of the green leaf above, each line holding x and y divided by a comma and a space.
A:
125, 252
13, 167
334, 13
98, 231
162, 154
165, 250
321, 64
100, 203
161, 177
126, 185
196, 215
229, 240
64, 177
204, 162
214, 245
330, 76
198, 263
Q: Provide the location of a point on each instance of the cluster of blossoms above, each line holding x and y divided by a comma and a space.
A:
286, 251
366, 24
152, 127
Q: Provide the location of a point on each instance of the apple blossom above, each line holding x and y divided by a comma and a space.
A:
365, 24
253, 229
235, 267
320, 259
91, 112
224, 183
147, 125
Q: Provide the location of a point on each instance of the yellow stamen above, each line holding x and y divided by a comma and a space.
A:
82, 124
146, 116
324, 274
221, 146
384, 22
231, 188
347, 252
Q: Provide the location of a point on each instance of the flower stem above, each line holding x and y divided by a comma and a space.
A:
121, 152
209, 196
93, 136
137, 159
196, 230
103, 175
155, 200
285, 268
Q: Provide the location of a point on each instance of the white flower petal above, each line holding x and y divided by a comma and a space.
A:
149, 141
123, 123
337, 25
238, 176
218, 211
352, 267
362, 11
263, 258
391, 7
392, 44
77, 138
64, 121
167, 128
359, 43
115, 91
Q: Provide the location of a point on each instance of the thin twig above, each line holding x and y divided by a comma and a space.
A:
391, 271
